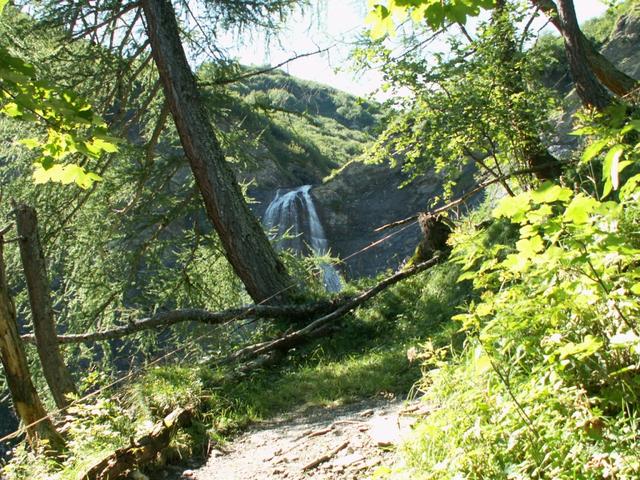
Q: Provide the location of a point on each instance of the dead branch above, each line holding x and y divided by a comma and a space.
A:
325, 457
254, 73
166, 319
299, 336
320, 432
142, 450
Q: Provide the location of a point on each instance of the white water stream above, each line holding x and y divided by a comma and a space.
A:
292, 212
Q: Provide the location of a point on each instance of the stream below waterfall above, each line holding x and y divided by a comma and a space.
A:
292, 220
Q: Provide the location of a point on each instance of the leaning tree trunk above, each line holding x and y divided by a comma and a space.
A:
27, 404
584, 54
589, 89
245, 244
609, 75
53, 366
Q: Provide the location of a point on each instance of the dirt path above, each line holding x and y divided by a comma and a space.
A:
346, 442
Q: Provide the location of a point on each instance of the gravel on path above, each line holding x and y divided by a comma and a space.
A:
338, 443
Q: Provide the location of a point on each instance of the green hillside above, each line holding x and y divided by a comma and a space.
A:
295, 131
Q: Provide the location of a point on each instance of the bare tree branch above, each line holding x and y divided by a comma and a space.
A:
166, 319
254, 73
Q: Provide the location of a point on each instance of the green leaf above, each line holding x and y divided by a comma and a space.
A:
594, 149
516, 263
382, 22
65, 174
513, 207
484, 309
579, 209
11, 109
530, 246
610, 168
635, 124
549, 192
97, 145
3, 3
470, 275
584, 349
30, 143
630, 186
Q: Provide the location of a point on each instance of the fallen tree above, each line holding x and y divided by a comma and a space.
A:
166, 319
299, 336
143, 449
332, 309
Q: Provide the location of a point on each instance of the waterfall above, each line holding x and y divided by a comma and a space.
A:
293, 212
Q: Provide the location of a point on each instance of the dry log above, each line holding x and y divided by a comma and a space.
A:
142, 450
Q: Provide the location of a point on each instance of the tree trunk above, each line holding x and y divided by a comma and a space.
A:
245, 243
53, 366
591, 92
25, 398
607, 73
614, 79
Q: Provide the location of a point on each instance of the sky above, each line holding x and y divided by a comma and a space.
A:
335, 24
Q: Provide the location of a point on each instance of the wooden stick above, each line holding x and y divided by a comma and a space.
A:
325, 457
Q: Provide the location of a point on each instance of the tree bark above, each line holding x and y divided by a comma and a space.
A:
606, 72
53, 366
245, 244
26, 401
589, 89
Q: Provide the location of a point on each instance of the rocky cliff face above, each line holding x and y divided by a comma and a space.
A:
623, 46
362, 197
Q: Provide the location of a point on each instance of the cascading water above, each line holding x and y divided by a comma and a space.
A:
293, 212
